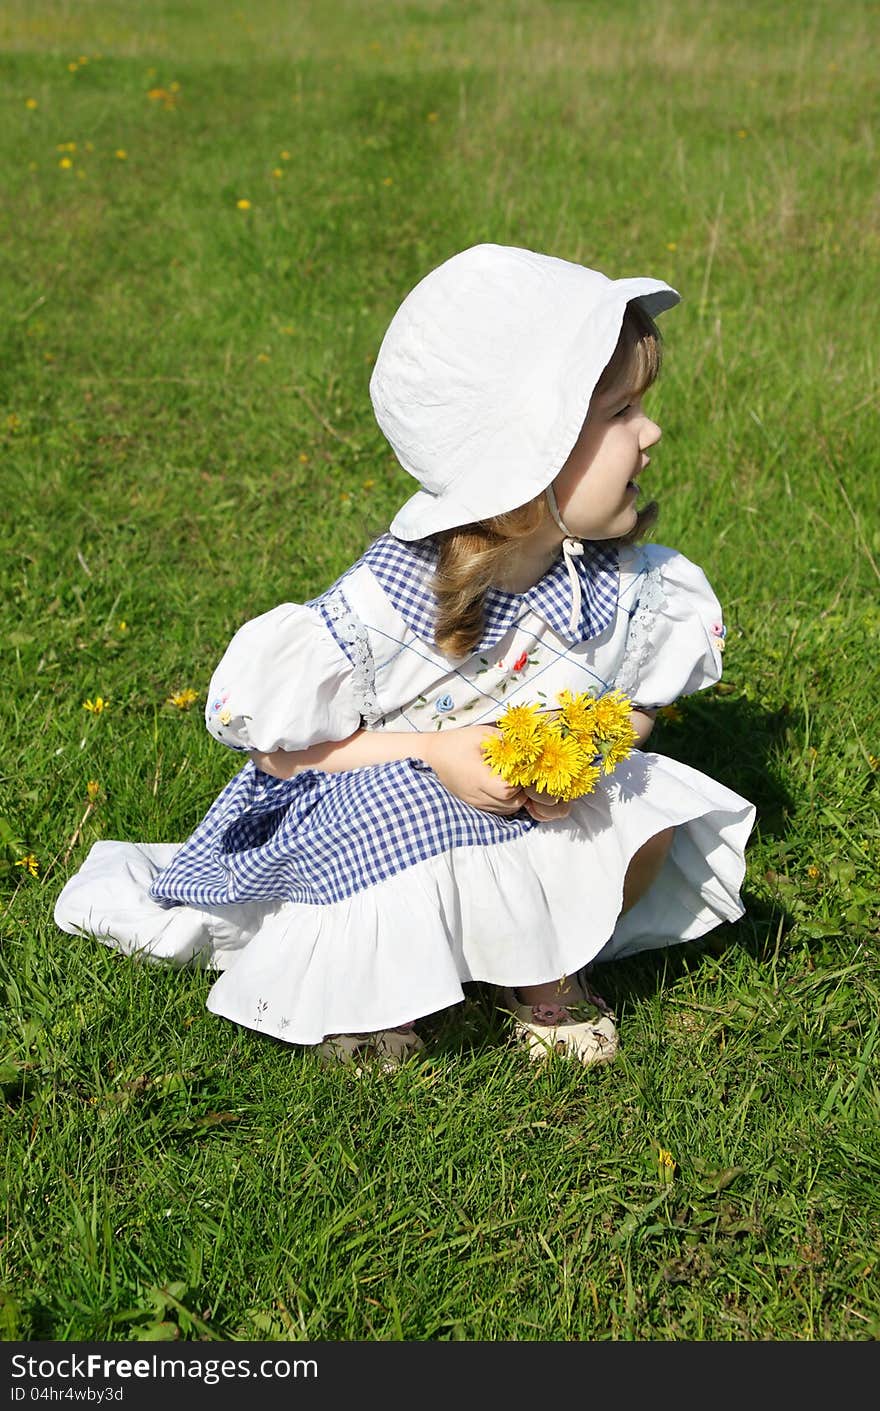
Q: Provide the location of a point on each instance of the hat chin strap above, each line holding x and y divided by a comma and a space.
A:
572, 548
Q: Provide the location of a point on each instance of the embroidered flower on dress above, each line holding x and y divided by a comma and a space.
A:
719, 632
445, 704
521, 661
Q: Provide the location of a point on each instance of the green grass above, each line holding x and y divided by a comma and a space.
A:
187, 440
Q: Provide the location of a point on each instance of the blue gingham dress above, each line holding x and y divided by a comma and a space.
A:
320, 837
358, 900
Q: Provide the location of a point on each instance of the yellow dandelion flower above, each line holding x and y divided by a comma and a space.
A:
243, 204
368, 484
263, 358
277, 171
30, 864
65, 163
183, 699
73, 66
93, 789
813, 872
225, 716
285, 156
303, 458
345, 497
123, 626
616, 750
433, 117
578, 714
523, 725
671, 713
96, 706
672, 246
742, 132
586, 779
559, 763
31, 103
666, 1164
503, 757
388, 181
13, 422
121, 154
612, 713
174, 87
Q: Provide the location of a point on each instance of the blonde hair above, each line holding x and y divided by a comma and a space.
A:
471, 556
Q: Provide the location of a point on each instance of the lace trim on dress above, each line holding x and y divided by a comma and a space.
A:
650, 602
352, 637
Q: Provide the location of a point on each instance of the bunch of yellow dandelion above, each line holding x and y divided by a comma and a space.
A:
562, 752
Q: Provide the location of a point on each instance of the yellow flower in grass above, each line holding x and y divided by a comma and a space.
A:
666, 1165
183, 699
560, 762
93, 789
96, 706
30, 864
672, 713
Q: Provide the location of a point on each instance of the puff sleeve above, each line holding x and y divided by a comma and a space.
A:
283, 684
676, 633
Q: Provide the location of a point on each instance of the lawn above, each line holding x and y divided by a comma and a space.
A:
211, 212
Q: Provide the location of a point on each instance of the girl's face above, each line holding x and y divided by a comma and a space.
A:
597, 490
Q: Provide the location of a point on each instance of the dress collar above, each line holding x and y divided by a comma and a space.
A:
405, 570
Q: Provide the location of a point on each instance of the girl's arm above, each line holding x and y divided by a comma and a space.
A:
454, 755
643, 724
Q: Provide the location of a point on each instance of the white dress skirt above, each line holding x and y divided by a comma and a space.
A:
363, 900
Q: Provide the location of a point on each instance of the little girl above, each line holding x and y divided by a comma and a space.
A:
366, 862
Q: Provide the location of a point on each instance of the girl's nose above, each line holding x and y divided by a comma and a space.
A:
650, 434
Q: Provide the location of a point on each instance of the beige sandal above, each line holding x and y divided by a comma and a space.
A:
383, 1049
583, 1030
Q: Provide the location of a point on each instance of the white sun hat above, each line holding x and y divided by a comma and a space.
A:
485, 375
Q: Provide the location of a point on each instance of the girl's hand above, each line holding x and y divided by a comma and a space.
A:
456, 759
544, 808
